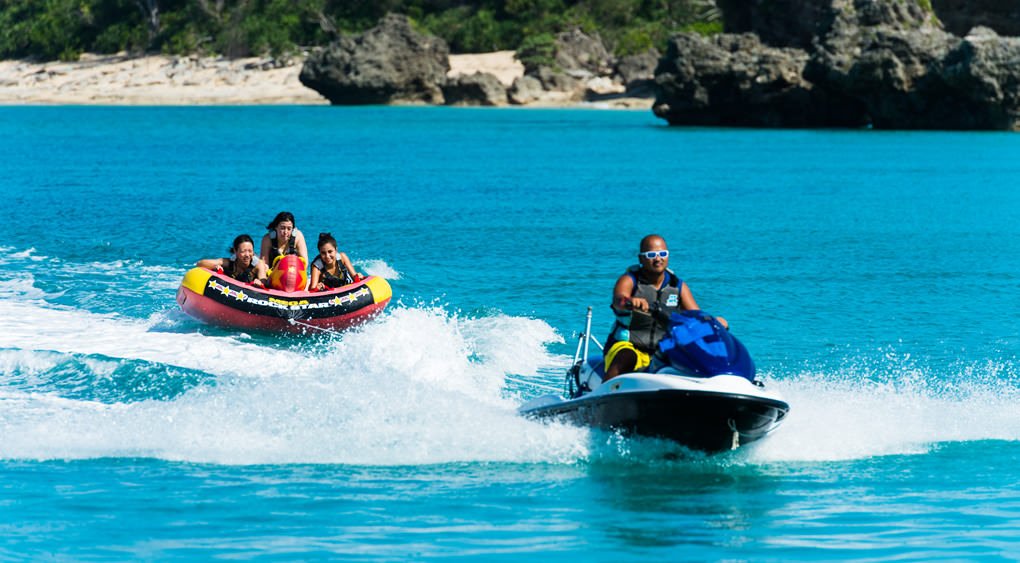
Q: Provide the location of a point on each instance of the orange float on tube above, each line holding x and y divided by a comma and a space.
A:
289, 273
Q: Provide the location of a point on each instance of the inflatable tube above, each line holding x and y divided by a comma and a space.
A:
289, 273
220, 300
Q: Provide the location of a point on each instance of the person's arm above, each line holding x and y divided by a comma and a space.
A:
689, 304
302, 248
211, 263
347, 264
261, 275
264, 251
313, 282
687, 301
622, 300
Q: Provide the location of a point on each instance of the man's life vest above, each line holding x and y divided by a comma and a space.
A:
642, 329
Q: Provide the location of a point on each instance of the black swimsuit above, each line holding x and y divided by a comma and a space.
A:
329, 280
247, 275
274, 249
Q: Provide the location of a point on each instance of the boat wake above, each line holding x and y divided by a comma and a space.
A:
892, 406
419, 385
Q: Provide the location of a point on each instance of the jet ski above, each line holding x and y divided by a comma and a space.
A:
701, 390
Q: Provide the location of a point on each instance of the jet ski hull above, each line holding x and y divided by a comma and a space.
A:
700, 420
700, 391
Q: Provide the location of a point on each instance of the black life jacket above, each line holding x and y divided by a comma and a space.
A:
342, 277
642, 329
248, 275
273, 250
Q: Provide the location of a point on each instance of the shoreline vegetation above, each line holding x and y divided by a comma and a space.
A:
163, 52
886, 64
66, 29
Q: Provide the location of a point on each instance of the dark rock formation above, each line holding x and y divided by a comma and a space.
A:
901, 14
388, 63
884, 62
578, 58
578, 51
960, 16
796, 23
890, 71
554, 80
919, 77
982, 71
735, 80
478, 89
637, 72
780, 23
524, 90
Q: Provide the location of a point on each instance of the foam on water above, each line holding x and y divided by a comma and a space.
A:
157, 276
902, 409
116, 284
25, 325
23, 288
136, 269
28, 254
93, 377
417, 386
27, 363
377, 267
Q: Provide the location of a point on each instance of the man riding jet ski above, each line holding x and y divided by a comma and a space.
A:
673, 371
650, 284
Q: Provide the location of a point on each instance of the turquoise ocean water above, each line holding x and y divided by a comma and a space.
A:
874, 277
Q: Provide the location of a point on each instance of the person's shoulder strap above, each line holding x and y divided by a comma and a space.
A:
672, 279
633, 273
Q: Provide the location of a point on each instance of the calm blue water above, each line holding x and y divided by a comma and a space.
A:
874, 276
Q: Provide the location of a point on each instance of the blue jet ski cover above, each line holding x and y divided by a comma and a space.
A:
697, 343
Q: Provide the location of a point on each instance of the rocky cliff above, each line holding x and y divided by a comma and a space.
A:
826, 63
390, 63
960, 16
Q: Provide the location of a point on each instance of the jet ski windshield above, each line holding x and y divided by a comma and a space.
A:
697, 344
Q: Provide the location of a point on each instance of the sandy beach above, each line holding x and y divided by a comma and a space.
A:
193, 80
154, 80
167, 80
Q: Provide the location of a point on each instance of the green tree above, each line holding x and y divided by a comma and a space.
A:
49, 29
64, 28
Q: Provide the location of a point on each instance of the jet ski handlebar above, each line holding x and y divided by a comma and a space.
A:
665, 314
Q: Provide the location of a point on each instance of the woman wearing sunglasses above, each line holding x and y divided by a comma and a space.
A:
636, 332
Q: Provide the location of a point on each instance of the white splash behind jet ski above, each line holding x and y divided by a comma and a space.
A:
700, 392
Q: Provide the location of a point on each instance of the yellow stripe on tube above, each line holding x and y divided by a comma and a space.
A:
196, 280
380, 289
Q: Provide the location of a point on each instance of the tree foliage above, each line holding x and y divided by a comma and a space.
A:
52, 29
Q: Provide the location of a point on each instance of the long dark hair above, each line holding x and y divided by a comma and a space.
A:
281, 217
324, 238
241, 239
